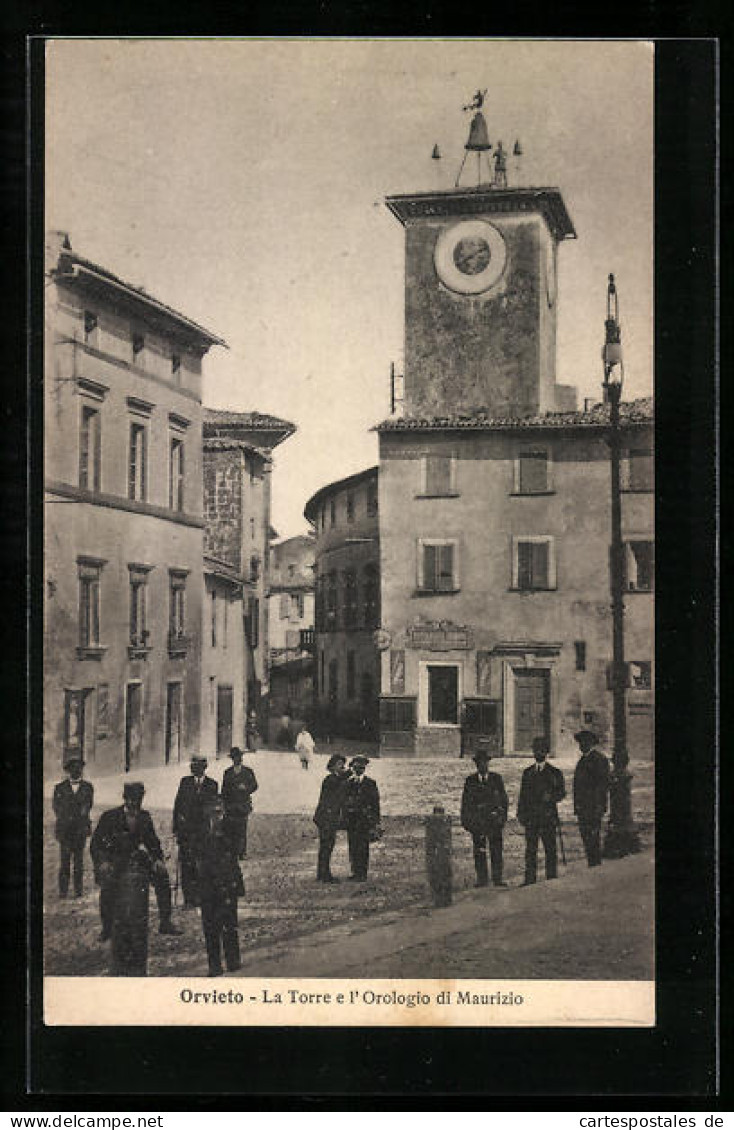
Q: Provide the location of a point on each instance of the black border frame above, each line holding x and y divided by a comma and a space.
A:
678, 1058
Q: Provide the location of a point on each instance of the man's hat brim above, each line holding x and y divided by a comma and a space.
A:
588, 735
335, 760
360, 760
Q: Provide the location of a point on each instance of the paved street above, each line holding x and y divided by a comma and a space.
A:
286, 911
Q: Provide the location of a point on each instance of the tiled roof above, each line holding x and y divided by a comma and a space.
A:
217, 443
633, 412
70, 263
223, 417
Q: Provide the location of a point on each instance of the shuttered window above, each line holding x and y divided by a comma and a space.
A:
438, 567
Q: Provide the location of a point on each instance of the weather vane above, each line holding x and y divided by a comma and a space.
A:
478, 142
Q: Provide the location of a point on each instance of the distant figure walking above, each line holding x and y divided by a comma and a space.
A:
305, 747
238, 784
221, 885
127, 858
362, 812
590, 794
483, 815
188, 823
251, 732
72, 803
541, 788
329, 814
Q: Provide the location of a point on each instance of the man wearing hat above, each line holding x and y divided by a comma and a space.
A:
72, 802
238, 784
590, 794
362, 814
221, 885
188, 823
541, 788
128, 858
329, 814
483, 815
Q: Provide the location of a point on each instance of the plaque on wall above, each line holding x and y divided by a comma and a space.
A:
439, 635
397, 671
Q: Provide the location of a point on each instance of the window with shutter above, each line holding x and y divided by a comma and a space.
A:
438, 474
639, 566
532, 472
534, 564
438, 572
640, 470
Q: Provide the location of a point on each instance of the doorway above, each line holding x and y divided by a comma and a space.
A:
173, 722
532, 708
133, 724
224, 719
443, 694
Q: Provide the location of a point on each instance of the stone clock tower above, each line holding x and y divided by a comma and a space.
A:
480, 297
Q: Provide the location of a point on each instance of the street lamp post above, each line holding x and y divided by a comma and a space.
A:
621, 838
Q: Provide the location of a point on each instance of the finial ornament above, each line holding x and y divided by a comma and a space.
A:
477, 101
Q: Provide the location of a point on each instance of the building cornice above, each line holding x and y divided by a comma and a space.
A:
115, 502
484, 200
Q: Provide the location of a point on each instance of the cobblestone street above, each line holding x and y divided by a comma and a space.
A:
283, 901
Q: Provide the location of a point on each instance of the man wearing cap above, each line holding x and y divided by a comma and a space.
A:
221, 885
541, 788
188, 823
362, 813
590, 794
483, 815
329, 814
72, 802
128, 858
238, 784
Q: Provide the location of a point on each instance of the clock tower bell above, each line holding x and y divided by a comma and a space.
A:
480, 295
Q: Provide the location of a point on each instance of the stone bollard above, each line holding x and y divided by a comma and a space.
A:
438, 856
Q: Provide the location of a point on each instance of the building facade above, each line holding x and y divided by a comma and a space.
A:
225, 662
291, 598
496, 616
495, 496
237, 464
344, 516
123, 520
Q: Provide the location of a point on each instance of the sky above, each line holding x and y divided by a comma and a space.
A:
243, 182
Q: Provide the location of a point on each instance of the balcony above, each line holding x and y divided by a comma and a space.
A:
139, 648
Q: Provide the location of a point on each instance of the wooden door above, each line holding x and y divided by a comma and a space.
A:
224, 720
532, 708
173, 722
133, 725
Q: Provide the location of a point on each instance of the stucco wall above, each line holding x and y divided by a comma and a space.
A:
495, 351
482, 519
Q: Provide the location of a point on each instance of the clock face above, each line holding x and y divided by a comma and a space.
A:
470, 256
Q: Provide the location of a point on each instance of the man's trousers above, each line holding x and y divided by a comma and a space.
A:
219, 922
547, 834
480, 841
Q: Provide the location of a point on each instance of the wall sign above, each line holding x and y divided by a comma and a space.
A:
440, 635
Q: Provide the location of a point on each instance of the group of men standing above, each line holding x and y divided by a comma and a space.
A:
211, 830
349, 801
484, 809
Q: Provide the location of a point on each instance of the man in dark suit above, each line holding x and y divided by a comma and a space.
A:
541, 789
72, 803
362, 814
483, 815
590, 794
221, 885
193, 794
238, 785
128, 858
329, 814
